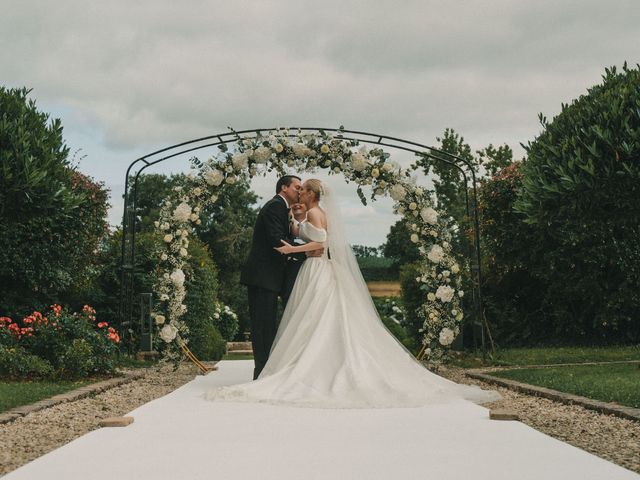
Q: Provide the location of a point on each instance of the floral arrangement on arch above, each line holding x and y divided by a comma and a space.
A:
283, 151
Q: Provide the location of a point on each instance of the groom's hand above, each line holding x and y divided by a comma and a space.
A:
315, 253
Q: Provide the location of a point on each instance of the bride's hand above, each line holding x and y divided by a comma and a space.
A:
285, 248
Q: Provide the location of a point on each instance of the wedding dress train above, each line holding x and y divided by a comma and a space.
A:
333, 351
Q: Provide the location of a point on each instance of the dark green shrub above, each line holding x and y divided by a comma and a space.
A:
211, 345
77, 360
511, 293
51, 217
201, 286
17, 363
580, 190
413, 298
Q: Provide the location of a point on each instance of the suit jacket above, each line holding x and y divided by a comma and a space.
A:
265, 267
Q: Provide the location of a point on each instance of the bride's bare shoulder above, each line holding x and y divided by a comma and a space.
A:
317, 218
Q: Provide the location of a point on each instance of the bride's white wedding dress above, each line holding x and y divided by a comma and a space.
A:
333, 351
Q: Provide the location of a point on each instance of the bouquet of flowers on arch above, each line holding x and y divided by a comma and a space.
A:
283, 151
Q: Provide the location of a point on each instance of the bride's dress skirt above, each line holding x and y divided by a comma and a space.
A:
332, 351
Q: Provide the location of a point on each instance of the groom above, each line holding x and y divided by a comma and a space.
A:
267, 273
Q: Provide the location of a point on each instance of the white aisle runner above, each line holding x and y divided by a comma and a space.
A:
181, 436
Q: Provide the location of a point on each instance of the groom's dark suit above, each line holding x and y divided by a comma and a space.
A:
268, 274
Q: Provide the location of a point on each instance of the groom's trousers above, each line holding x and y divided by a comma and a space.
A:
263, 311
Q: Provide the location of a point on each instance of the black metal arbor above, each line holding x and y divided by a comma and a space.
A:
138, 166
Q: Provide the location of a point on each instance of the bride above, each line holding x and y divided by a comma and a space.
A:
331, 349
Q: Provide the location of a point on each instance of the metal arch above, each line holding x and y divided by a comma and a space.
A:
129, 216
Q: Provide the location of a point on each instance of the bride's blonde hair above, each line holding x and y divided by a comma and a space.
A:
315, 185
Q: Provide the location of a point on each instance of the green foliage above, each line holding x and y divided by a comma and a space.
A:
512, 295
213, 346
16, 362
413, 298
377, 268
226, 321
580, 193
399, 247
201, 286
227, 229
393, 317
51, 217
364, 251
67, 345
607, 383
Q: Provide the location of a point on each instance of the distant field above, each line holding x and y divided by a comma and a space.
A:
384, 289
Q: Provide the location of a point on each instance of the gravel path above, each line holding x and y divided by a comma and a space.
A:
614, 439
609, 437
35, 434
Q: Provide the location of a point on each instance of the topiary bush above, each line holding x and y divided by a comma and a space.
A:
580, 190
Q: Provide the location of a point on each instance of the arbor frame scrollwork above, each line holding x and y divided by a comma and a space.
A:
337, 135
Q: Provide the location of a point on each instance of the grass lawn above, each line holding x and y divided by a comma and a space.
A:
239, 356
608, 383
17, 393
550, 355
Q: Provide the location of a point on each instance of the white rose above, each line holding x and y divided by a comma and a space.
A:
461, 294
168, 333
375, 173
197, 191
182, 212
436, 253
177, 189
164, 257
214, 177
156, 224
193, 217
358, 162
168, 237
419, 191
213, 198
183, 252
431, 296
324, 148
445, 293
160, 319
415, 238
455, 268
164, 297
427, 352
446, 273
387, 167
429, 215
240, 161
413, 206
446, 336
231, 180
278, 148
398, 193
177, 277
382, 183
262, 154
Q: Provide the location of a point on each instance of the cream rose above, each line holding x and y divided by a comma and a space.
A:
214, 177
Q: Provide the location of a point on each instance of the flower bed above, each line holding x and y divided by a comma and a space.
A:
57, 343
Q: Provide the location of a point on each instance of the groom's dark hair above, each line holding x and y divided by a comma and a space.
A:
285, 181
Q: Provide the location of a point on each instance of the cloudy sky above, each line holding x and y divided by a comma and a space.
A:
129, 77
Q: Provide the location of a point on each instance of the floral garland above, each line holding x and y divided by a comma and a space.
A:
282, 150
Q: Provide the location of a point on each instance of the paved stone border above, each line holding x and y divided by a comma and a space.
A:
566, 398
82, 392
